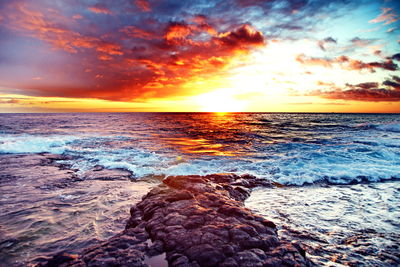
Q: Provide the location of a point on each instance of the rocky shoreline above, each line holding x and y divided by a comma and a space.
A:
192, 221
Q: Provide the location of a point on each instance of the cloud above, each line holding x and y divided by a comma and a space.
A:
136, 32
371, 95
388, 16
389, 90
356, 41
100, 9
177, 31
143, 5
328, 40
136, 49
396, 57
347, 63
138, 59
393, 84
9, 101
242, 36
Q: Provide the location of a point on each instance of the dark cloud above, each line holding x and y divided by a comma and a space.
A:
372, 95
357, 41
290, 7
396, 78
393, 84
387, 65
396, 57
369, 85
326, 41
347, 63
389, 90
242, 36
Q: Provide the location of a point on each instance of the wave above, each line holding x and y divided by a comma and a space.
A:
387, 127
392, 127
286, 163
25, 143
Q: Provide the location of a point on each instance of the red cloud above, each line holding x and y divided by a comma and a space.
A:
136, 32
109, 48
100, 9
152, 60
143, 5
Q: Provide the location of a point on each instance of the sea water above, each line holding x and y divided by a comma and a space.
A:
338, 173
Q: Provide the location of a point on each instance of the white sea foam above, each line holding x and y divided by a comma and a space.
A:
34, 143
299, 168
356, 159
392, 127
388, 127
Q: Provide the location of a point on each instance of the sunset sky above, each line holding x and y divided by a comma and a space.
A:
198, 55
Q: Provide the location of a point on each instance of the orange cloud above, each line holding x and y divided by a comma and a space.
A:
176, 31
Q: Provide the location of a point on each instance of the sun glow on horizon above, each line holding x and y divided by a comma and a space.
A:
220, 101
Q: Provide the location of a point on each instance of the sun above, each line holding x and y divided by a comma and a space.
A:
219, 101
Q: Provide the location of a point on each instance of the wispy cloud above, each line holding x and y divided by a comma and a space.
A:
388, 16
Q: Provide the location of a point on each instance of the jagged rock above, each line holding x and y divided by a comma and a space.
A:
196, 221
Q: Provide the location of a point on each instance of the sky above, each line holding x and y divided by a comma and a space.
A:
198, 55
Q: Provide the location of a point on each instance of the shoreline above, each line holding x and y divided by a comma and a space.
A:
72, 225
194, 221
46, 207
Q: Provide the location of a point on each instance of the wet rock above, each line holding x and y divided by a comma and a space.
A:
100, 173
196, 221
205, 255
61, 258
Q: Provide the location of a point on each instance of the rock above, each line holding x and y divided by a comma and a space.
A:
61, 258
196, 221
205, 255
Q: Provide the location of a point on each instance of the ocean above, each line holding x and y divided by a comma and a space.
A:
337, 176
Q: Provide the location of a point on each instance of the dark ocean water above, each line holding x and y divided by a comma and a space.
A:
340, 171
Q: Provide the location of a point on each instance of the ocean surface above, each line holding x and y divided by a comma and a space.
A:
339, 174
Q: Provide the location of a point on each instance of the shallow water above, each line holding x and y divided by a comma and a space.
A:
339, 225
43, 211
343, 174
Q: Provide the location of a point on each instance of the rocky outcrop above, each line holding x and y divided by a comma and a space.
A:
193, 221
